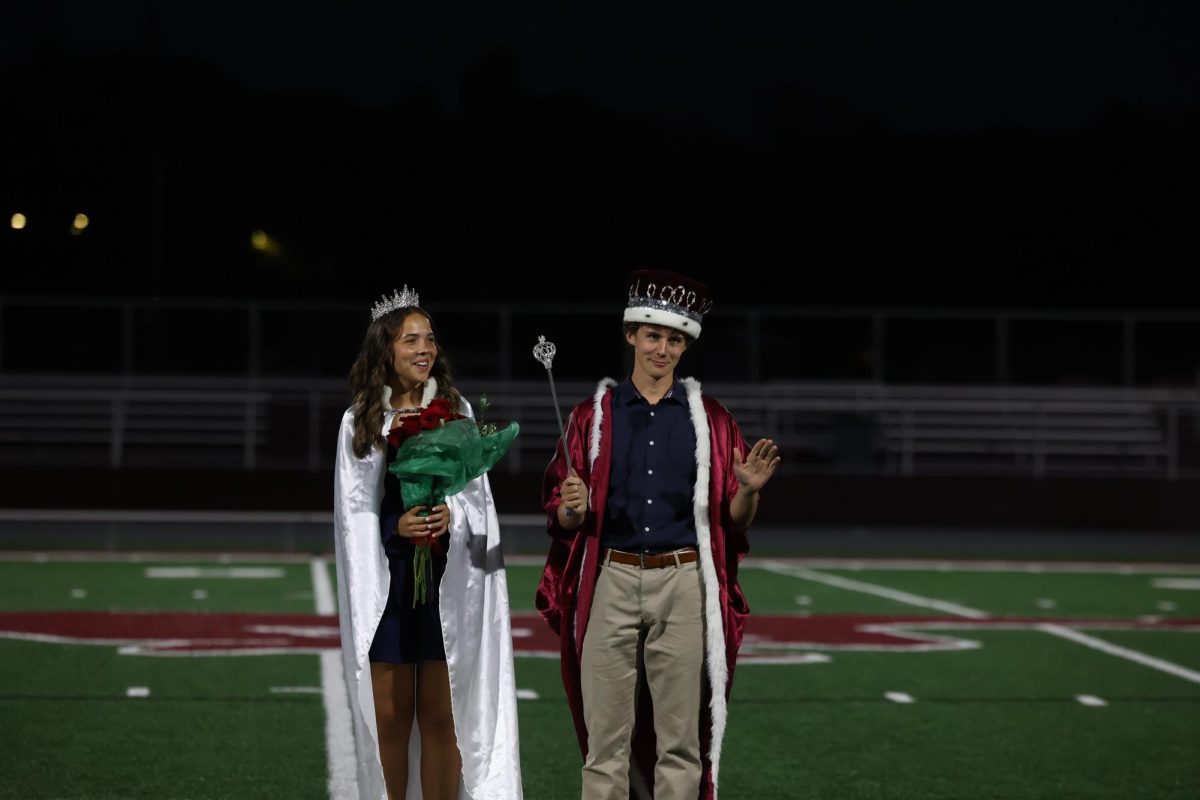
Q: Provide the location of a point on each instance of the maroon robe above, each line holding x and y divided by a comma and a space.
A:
564, 596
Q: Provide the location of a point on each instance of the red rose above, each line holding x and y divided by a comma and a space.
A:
395, 437
407, 427
430, 541
436, 414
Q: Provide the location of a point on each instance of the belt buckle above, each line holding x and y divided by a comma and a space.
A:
642, 559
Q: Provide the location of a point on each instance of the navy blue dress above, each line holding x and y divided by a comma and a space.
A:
406, 635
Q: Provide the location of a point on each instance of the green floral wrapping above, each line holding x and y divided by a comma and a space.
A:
440, 462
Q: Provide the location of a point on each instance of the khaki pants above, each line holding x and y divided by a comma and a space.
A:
650, 621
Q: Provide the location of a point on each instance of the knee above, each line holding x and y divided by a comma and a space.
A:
393, 719
436, 722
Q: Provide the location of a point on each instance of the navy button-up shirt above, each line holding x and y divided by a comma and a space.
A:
653, 476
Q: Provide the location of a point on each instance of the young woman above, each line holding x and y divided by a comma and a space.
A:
408, 658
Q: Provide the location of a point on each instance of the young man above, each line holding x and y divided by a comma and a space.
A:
648, 511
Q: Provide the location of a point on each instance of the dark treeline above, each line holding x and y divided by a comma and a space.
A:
806, 201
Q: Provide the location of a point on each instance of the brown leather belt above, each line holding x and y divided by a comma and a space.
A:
651, 560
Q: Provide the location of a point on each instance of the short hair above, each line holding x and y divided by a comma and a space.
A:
631, 329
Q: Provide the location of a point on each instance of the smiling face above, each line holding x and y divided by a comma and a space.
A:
656, 351
413, 351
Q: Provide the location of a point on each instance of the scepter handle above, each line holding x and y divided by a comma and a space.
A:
562, 433
544, 352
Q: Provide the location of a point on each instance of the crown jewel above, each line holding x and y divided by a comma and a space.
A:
401, 299
678, 298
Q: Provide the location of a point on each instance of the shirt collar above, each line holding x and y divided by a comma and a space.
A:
627, 394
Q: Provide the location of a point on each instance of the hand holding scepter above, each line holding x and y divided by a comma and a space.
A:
544, 352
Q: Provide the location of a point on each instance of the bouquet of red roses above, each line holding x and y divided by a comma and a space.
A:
434, 415
438, 452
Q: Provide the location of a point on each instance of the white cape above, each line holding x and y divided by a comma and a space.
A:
475, 627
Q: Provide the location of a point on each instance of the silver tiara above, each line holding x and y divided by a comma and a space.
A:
402, 299
678, 299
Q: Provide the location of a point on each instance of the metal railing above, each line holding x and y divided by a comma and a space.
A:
260, 339
851, 428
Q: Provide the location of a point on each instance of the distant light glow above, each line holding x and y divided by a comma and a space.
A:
18, 221
81, 222
263, 243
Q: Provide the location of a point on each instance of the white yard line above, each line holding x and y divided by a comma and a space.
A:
1060, 631
871, 588
1184, 584
190, 573
941, 565
322, 587
339, 736
141, 556
1120, 652
959, 565
882, 564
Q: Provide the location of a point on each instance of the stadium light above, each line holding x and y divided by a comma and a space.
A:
81, 222
18, 221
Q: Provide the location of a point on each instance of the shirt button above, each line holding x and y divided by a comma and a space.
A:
652, 413
652, 443
647, 530
649, 472
649, 502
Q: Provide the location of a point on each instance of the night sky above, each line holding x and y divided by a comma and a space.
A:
943, 153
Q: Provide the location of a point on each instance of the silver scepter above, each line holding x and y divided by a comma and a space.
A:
544, 352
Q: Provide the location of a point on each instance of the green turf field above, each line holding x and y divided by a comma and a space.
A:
199, 678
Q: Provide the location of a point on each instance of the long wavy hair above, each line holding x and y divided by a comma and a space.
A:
372, 371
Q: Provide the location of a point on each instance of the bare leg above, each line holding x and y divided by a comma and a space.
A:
394, 688
441, 764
